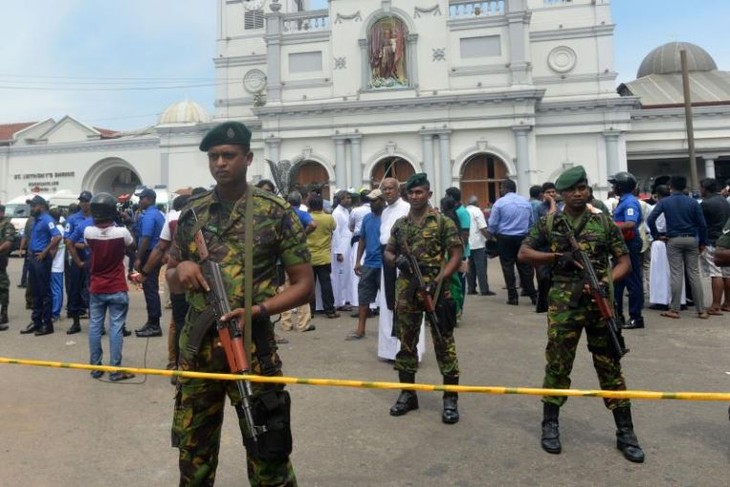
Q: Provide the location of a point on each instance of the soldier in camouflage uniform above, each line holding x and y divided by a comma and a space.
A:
7, 236
435, 242
278, 234
569, 314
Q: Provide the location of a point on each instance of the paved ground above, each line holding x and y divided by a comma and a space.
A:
61, 428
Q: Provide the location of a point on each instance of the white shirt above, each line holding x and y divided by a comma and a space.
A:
57, 265
343, 235
356, 217
166, 234
390, 214
478, 223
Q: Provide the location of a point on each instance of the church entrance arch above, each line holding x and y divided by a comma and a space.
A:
115, 176
481, 175
307, 174
391, 167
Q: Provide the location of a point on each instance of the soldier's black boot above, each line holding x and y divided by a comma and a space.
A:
4, 315
75, 326
450, 415
626, 440
407, 401
550, 428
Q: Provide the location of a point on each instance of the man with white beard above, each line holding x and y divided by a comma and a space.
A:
388, 345
341, 247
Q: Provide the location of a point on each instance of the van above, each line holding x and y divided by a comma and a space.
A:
19, 211
63, 199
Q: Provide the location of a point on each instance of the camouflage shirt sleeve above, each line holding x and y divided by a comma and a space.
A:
537, 236
182, 235
451, 235
615, 240
8, 231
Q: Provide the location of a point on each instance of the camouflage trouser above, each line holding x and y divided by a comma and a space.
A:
197, 421
4, 288
564, 330
408, 317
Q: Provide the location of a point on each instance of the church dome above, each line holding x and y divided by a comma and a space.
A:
665, 60
184, 113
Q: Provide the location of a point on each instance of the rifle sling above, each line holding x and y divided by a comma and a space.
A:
248, 275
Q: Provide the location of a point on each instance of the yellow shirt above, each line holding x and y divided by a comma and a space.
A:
320, 240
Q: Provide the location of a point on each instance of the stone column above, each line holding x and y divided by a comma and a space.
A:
427, 149
612, 157
412, 59
340, 169
518, 17
524, 164
356, 160
364, 64
273, 149
710, 168
273, 53
445, 162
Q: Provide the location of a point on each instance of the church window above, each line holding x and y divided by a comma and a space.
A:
387, 54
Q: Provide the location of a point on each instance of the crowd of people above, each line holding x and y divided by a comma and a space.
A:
384, 252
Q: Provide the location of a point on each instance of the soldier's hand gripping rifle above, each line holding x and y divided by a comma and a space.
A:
230, 335
600, 296
422, 289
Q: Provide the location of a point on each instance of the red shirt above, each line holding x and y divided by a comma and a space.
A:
107, 245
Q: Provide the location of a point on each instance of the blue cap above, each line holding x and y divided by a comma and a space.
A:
85, 196
148, 193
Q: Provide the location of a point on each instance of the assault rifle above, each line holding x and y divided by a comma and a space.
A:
423, 290
600, 296
230, 336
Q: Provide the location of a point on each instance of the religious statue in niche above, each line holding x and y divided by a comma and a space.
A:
388, 54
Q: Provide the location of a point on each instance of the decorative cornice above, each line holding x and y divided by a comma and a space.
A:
250, 60
574, 78
291, 109
434, 11
477, 23
622, 103
572, 33
87, 146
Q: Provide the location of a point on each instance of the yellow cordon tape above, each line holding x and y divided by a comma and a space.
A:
529, 391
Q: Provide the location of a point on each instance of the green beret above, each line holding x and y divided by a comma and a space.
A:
570, 178
225, 134
418, 179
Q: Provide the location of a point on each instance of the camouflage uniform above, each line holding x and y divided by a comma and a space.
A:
600, 239
7, 234
199, 403
430, 242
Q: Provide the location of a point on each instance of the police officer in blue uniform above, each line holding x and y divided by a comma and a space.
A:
44, 239
627, 216
148, 229
77, 277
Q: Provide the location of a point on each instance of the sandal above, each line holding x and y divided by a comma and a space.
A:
354, 336
703, 315
715, 312
670, 314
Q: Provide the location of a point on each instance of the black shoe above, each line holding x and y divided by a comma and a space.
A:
144, 328
31, 328
513, 302
659, 307
3, 327
488, 293
683, 307
533, 300
125, 332
152, 331
472, 293
633, 323
550, 440
75, 328
44, 330
407, 401
450, 414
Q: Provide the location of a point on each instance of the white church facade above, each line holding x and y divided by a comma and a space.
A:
470, 92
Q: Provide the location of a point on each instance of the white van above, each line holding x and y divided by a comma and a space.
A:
19, 212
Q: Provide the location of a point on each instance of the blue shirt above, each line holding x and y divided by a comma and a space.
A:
77, 235
150, 225
683, 216
44, 229
511, 215
629, 210
370, 234
71, 223
304, 217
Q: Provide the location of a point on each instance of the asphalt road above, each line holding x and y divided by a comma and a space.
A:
61, 428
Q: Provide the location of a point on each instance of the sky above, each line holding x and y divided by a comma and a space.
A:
119, 63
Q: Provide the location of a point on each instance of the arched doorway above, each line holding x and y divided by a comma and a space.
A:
309, 173
481, 175
391, 167
114, 176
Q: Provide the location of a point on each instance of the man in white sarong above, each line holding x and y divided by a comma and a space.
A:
341, 245
660, 279
388, 345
